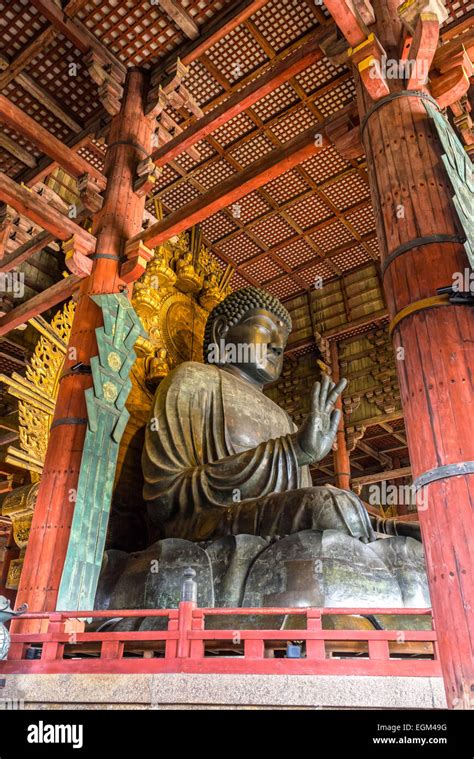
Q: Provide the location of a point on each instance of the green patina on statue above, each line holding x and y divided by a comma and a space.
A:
227, 483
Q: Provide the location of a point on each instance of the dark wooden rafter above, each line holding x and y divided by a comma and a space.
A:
18, 120
31, 205
40, 303
76, 32
181, 17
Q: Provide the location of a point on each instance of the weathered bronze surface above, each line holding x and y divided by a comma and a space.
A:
226, 468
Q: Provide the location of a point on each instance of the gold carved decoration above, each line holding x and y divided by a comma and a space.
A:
37, 391
19, 506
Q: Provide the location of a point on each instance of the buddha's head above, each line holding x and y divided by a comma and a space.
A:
248, 331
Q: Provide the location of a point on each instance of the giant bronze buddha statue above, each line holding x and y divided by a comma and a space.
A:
228, 486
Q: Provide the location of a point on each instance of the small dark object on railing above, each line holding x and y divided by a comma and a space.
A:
33, 652
189, 587
293, 651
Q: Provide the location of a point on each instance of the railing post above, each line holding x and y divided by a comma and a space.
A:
54, 649
196, 649
111, 649
171, 646
315, 649
185, 613
378, 649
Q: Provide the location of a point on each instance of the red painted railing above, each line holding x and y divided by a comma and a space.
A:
185, 645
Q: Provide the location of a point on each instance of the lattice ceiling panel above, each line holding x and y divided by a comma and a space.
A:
273, 230
251, 207
296, 253
309, 211
336, 98
53, 71
275, 103
286, 187
288, 127
326, 164
20, 23
284, 288
234, 130
318, 75
240, 249
362, 220
202, 84
141, 32
188, 164
180, 195
251, 150
347, 192
458, 8
8, 163
218, 226
214, 173
311, 273
237, 55
263, 269
351, 258
281, 23
331, 236
22, 141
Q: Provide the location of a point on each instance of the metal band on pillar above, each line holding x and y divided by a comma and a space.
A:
443, 473
394, 96
419, 305
68, 420
418, 242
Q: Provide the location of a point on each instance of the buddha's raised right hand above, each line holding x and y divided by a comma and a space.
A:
315, 437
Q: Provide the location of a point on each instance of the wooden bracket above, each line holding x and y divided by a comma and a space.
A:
138, 256
148, 173
422, 50
411, 10
462, 119
77, 256
455, 67
89, 192
110, 79
368, 58
345, 135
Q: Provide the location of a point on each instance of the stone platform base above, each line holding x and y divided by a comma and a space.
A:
190, 691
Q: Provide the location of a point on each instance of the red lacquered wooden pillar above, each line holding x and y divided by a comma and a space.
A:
120, 218
434, 346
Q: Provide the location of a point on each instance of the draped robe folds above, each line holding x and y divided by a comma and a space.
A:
219, 459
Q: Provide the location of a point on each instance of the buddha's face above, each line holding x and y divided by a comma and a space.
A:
255, 345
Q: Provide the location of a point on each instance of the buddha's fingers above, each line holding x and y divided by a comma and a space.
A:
334, 394
325, 387
335, 419
315, 397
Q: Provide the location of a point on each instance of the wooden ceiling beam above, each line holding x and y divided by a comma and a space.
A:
16, 150
349, 21
31, 205
394, 474
270, 166
25, 251
284, 70
218, 28
181, 18
40, 303
43, 97
73, 163
75, 31
22, 60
